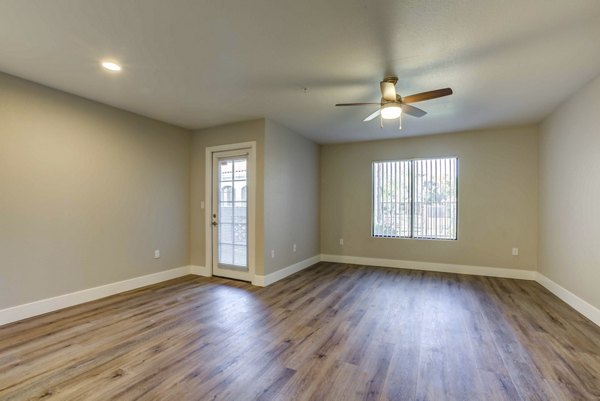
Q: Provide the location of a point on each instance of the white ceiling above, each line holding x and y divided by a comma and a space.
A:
200, 63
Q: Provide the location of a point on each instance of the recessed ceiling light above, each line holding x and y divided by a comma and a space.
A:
111, 65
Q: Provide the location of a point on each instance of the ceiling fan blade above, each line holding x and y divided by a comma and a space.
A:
372, 116
355, 104
388, 91
419, 97
412, 110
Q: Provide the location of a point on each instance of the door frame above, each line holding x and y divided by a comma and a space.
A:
250, 147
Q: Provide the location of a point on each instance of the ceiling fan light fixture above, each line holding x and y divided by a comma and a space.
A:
390, 111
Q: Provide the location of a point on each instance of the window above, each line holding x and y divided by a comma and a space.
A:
227, 194
415, 198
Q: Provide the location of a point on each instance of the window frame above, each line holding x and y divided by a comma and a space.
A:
456, 183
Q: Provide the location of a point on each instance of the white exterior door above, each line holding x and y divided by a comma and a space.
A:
230, 206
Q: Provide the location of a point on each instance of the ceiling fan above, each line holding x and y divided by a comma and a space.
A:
392, 105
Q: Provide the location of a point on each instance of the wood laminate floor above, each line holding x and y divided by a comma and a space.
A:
331, 332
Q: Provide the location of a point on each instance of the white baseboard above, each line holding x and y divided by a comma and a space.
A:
200, 271
585, 308
42, 306
263, 281
436, 267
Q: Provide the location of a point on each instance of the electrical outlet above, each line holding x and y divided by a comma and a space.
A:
294, 248
201, 204
156, 253
515, 251
341, 241
272, 253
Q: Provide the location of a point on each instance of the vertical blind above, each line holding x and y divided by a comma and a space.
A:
415, 198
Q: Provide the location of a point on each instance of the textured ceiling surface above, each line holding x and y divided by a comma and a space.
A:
200, 63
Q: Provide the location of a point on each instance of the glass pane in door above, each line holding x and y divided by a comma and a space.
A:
233, 212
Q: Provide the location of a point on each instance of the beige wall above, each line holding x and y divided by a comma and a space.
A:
569, 195
497, 198
87, 193
291, 197
223, 135
282, 157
